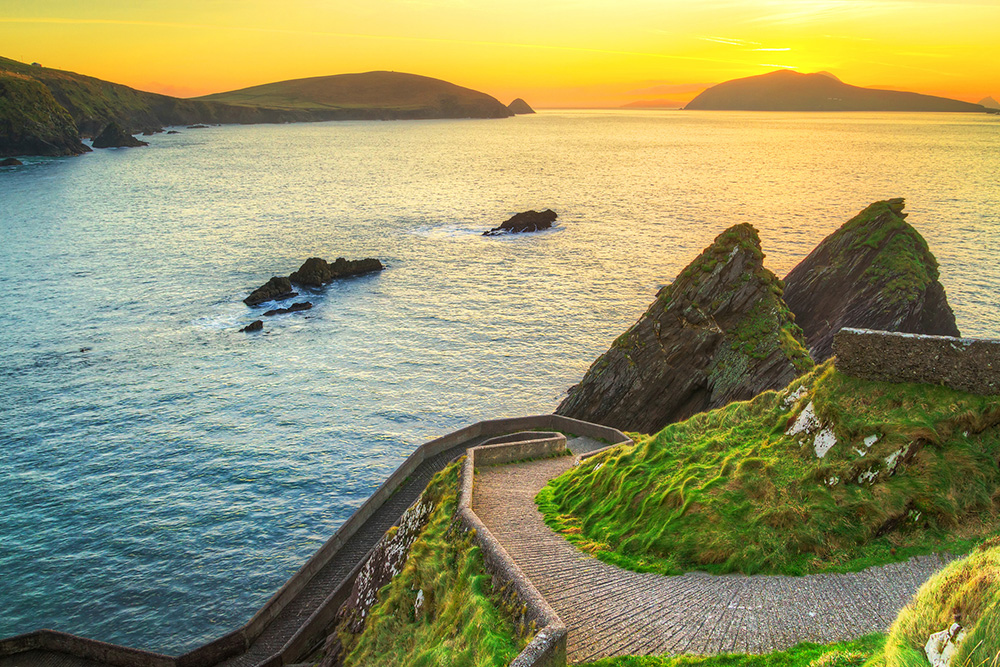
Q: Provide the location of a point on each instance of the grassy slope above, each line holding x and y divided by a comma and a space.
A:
967, 592
730, 491
459, 623
841, 654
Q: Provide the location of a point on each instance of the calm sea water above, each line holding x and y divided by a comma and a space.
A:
162, 475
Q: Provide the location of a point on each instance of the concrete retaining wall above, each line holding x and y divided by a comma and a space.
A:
965, 364
307, 636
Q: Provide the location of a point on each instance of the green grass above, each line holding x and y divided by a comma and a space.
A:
462, 622
966, 592
731, 491
840, 654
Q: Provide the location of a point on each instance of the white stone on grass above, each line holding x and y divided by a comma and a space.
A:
806, 422
419, 602
824, 442
941, 646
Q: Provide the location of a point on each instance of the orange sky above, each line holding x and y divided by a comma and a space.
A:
551, 52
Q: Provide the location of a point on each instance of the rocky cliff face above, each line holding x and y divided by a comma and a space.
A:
875, 272
719, 333
32, 122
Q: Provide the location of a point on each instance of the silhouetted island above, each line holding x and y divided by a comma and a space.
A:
520, 107
785, 90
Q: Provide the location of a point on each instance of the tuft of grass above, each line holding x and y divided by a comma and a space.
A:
966, 592
840, 654
461, 623
732, 491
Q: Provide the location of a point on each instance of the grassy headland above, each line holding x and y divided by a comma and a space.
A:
459, 620
907, 469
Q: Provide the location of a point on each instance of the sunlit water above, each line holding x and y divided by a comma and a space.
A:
162, 474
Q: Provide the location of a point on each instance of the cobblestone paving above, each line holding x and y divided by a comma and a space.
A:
610, 611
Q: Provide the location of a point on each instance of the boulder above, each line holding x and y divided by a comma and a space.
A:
173, 132
527, 221
875, 272
294, 308
197, 127
10, 162
519, 107
256, 325
317, 272
114, 136
275, 289
719, 333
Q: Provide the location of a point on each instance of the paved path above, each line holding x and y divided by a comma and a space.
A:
610, 611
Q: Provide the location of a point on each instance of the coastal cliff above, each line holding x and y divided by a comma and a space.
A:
32, 122
719, 333
875, 272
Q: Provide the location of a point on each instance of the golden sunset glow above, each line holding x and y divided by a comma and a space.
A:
556, 53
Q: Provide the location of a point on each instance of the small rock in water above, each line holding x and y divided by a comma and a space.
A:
294, 308
10, 162
316, 271
197, 127
527, 221
275, 289
256, 325
173, 132
115, 136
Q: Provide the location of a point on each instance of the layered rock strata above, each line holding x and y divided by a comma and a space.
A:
719, 333
875, 272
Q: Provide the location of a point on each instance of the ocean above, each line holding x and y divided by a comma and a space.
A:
163, 474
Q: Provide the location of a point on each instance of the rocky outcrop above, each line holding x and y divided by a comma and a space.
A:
294, 308
875, 272
275, 289
32, 122
719, 333
114, 136
317, 272
256, 325
519, 107
527, 221
11, 162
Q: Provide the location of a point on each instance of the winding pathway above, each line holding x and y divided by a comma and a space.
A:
613, 612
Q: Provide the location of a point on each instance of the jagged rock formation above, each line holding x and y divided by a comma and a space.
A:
875, 272
317, 272
275, 289
526, 221
519, 107
11, 162
256, 325
719, 333
32, 122
113, 136
785, 90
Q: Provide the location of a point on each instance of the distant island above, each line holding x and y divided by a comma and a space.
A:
47, 111
785, 90
989, 103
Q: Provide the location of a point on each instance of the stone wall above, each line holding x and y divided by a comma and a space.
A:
965, 364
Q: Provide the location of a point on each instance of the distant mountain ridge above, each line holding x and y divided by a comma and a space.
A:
785, 90
382, 95
990, 103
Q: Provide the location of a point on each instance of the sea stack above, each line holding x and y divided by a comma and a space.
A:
519, 107
875, 272
316, 271
114, 136
719, 333
526, 221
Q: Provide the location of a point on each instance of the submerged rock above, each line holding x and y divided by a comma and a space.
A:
294, 308
317, 272
173, 132
520, 107
875, 272
275, 289
719, 333
113, 136
256, 325
197, 127
11, 162
527, 221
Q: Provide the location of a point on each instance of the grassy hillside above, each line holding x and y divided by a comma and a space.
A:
392, 94
32, 122
459, 622
785, 90
907, 469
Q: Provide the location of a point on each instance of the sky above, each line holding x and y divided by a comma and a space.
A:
553, 53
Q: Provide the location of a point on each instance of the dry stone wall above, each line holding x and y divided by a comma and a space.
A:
964, 364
